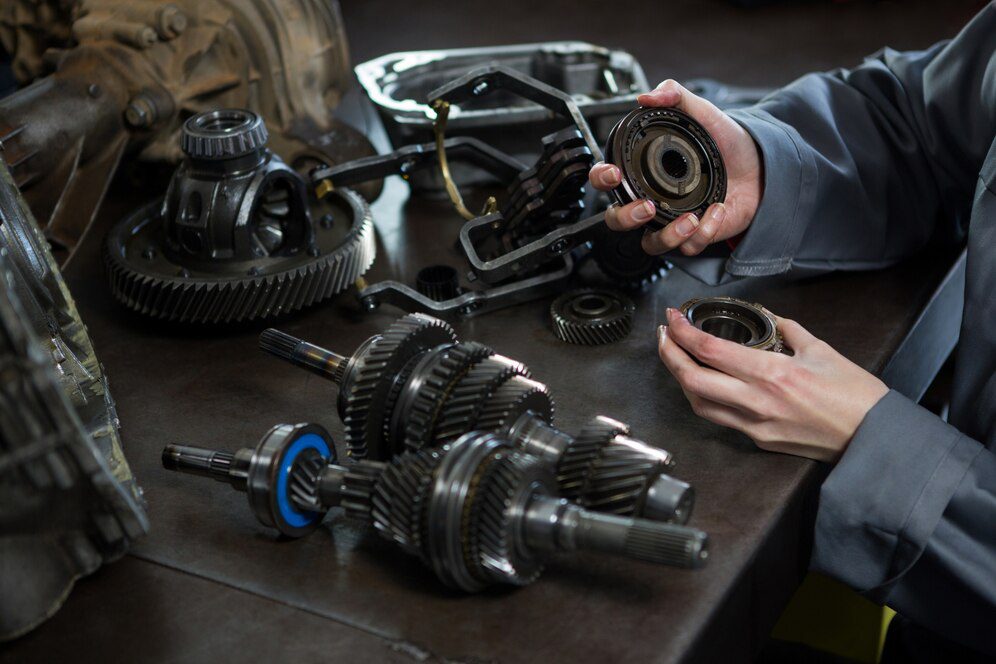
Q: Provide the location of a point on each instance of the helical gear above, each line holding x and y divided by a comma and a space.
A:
415, 387
494, 548
617, 479
575, 464
592, 317
477, 512
513, 399
399, 500
358, 485
460, 412
363, 399
304, 480
450, 366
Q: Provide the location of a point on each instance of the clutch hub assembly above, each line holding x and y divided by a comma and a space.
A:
478, 511
416, 387
669, 158
237, 236
591, 317
735, 320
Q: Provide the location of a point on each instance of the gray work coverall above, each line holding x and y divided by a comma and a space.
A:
862, 168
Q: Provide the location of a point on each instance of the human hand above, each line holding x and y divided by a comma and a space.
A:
808, 404
744, 174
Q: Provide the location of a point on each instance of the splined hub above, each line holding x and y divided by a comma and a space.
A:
233, 239
592, 317
735, 320
669, 158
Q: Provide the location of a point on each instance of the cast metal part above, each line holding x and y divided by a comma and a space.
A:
237, 236
417, 387
592, 316
669, 158
521, 250
112, 80
735, 320
603, 82
68, 499
478, 512
279, 476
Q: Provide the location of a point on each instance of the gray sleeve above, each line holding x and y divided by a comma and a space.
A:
864, 167
908, 518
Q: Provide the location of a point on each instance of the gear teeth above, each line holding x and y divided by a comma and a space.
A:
401, 497
199, 140
618, 479
435, 391
303, 484
358, 486
611, 325
621, 258
365, 400
575, 464
460, 412
201, 301
516, 397
490, 547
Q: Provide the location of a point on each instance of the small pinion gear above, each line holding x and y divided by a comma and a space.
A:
591, 317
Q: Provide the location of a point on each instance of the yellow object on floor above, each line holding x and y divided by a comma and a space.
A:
827, 615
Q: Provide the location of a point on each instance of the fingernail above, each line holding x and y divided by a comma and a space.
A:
672, 314
687, 225
661, 333
644, 212
610, 177
718, 213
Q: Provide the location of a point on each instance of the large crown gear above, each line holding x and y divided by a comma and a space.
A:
415, 387
237, 237
478, 511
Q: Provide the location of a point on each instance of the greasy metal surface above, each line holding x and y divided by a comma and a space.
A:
119, 78
219, 390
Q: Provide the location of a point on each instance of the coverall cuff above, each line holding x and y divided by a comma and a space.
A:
790, 179
880, 505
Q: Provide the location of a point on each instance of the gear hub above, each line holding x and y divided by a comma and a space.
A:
669, 158
592, 317
417, 387
478, 511
233, 239
735, 320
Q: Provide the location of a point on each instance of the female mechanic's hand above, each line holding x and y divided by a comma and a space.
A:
722, 220
809, 404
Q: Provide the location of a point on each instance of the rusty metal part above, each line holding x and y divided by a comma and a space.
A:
742, 322
115, 79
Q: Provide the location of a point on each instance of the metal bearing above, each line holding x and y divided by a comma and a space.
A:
735, 320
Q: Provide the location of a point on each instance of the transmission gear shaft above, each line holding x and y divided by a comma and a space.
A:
416, 386
478, 511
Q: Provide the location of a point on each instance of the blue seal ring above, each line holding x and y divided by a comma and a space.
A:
285, 508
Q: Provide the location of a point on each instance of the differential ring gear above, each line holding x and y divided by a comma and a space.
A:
592, 317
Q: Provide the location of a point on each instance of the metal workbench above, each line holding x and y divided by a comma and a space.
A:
209, 583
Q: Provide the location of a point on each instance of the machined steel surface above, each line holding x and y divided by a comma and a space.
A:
735, 320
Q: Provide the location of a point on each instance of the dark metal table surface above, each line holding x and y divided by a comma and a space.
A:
209, 583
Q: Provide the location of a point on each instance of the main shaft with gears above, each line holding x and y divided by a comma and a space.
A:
477, 511
416, 386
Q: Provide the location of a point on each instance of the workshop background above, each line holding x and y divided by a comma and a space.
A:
206, 584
